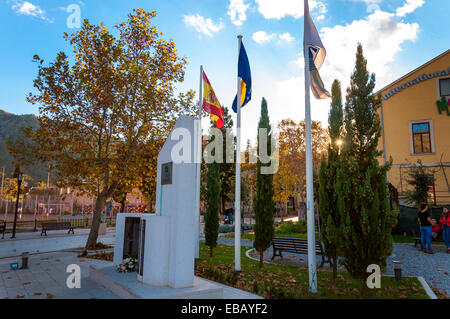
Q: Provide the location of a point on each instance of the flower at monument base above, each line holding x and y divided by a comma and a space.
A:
128, 265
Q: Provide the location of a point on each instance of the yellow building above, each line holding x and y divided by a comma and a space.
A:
415, 117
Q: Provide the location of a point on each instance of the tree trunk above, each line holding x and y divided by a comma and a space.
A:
122, 206
222, 204
96, 219
261, 258
334, 261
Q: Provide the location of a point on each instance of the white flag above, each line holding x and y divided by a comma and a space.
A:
317, 55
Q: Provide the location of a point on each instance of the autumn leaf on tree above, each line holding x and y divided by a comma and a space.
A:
101, 109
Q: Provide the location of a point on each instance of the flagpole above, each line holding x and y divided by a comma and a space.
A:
309, 168
237, 200
199, 166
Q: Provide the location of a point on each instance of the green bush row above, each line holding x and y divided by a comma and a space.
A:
291, 227
230, 228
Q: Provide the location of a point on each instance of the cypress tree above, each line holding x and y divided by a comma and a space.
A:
264, 203
361, 186
213, 203
329, 216
227, 168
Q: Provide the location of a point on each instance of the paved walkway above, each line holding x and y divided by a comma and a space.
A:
49, 257
46, 278
56, 240
434, 269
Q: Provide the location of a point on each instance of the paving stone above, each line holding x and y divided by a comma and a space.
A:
17, 293
46, 277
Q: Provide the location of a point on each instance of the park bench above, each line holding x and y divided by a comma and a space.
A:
297, 246
3, 229
56, 226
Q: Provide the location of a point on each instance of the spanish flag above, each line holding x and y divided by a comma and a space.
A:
211, 103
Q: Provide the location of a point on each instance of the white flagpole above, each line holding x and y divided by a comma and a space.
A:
237, 200
309, 168
199, 167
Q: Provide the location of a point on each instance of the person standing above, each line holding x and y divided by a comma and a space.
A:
445, 221
425, 228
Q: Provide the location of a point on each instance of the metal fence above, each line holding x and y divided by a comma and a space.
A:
86, 220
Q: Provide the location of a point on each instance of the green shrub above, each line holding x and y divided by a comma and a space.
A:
277, 292
291, 228
232, 277
230, 228
256, 287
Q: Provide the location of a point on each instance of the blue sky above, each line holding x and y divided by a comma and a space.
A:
397, 35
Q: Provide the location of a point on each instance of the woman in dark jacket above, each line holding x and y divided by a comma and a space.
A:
425, 228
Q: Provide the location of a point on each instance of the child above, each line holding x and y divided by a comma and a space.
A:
434, 228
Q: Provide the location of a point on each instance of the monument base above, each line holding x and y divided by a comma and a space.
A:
126, 286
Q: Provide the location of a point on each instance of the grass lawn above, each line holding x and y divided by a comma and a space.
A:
281, 281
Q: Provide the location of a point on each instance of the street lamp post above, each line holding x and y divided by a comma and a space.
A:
3, 178
17, 173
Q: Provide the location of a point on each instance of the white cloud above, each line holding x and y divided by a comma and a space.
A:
287, 37
202, 25
271, 9
367, 1
262, 37
27, 8
236, 11
409, 7
321, 17
381, 34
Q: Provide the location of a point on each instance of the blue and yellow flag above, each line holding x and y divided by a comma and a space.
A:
246, 79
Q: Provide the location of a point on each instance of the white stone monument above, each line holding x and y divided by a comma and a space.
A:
165, 241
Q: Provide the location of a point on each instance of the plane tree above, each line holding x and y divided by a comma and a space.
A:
99, 108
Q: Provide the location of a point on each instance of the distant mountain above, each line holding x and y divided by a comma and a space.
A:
11, 129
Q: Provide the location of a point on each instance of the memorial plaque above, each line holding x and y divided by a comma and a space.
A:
166, 173
131, 238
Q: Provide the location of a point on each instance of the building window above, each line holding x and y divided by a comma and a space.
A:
444, 87
421, 138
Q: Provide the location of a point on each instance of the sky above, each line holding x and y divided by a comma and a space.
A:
397, 37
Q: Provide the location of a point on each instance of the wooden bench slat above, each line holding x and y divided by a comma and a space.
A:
296, 245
